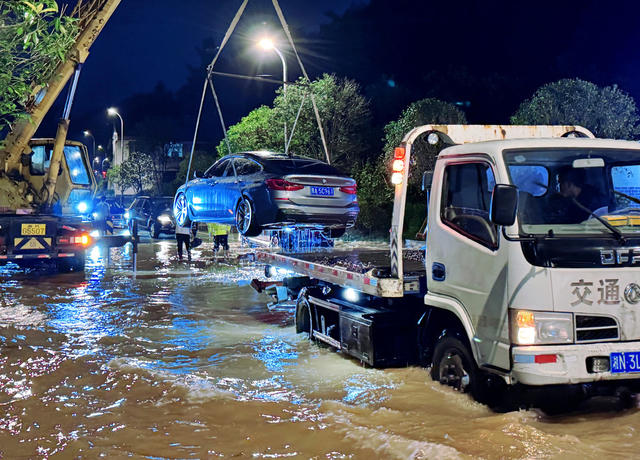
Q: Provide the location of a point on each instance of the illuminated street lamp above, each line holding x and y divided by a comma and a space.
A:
88, 134
268, 45
112, 111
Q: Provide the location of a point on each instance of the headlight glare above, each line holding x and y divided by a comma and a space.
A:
541, 328
164, 219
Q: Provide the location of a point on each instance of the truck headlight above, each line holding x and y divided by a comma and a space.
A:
541, 327
164, 219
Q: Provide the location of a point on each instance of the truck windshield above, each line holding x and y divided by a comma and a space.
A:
559, 189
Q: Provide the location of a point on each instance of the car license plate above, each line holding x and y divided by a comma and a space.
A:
34, 229
625, 362
322, 191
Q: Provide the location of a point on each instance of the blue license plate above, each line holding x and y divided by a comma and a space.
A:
625, 362
322, 191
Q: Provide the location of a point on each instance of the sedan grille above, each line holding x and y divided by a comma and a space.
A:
596, 328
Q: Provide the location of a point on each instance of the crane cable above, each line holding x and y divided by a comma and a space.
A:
285, 27
209, 80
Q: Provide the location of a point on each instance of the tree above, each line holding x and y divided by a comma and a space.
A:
34, 39
135, 172
422, 112
608, 112
256, 131
345, 119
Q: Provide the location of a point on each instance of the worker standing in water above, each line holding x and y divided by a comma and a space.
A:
220, 239
183, 238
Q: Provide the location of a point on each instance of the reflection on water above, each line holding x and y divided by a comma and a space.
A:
185, 360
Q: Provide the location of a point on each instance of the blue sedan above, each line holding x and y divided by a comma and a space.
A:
267, 190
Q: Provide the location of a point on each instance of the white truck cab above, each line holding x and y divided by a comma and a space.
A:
552, 296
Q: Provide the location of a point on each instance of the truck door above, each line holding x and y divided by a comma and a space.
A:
464, 257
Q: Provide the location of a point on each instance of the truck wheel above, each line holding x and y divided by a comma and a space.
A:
454, 366
303, 316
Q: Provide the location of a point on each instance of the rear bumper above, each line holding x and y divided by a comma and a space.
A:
571, 365
34, 257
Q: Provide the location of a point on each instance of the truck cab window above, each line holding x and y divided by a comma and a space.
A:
40, 160
466, 201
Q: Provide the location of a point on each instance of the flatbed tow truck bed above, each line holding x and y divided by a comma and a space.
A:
366, 270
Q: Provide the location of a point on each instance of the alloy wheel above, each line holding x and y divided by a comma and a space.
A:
244, 214
180, 210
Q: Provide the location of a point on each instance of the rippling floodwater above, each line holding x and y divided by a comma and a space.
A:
188, 362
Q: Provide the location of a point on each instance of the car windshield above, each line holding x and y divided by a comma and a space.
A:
563, 190
160, 204
297, 165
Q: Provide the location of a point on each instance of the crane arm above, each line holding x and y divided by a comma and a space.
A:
92, 15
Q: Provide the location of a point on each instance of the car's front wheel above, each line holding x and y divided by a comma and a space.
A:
180, 211
246, 219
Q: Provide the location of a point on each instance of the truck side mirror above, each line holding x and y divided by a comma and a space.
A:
504, 204
427, 177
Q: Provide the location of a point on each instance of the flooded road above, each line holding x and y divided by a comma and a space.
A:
188, 362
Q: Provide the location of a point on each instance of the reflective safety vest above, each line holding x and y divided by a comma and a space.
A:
218, 229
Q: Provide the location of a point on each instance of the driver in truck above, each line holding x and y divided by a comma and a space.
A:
579, 195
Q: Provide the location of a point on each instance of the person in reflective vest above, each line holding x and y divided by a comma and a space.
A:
220, 238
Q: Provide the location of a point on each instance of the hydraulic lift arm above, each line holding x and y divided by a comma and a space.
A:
92, 15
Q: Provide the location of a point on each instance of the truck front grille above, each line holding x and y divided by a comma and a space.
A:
596, 328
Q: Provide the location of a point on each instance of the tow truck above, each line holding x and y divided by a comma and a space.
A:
523, 291
47, 184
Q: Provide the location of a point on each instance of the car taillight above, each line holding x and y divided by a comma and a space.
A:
350, 189
281, 184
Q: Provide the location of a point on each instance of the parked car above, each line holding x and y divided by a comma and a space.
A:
153, 214
267, 190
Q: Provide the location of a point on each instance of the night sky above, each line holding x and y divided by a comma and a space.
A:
493, 54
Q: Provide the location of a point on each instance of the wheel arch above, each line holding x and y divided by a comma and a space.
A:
438, 322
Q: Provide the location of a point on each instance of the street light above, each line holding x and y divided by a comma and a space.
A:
268, 45
88, 134
112, 111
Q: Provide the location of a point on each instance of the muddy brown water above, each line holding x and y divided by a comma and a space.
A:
188, 362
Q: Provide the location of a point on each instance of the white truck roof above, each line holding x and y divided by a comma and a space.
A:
496, 146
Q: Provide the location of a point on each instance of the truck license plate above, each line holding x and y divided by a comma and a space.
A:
625, 362
34, 229
322, 191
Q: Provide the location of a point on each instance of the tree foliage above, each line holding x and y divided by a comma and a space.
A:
422, 112
34, 39
135, 172
607, 111
344, 112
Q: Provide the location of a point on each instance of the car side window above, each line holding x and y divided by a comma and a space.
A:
229, 171
245, 167
217, 170
466, 201
145, 206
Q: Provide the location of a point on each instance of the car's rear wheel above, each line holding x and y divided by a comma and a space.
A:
180, 211
246, 219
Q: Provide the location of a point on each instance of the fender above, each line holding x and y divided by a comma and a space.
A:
452, 305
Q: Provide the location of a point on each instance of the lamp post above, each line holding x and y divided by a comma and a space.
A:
88, 134
112, 111
268, 45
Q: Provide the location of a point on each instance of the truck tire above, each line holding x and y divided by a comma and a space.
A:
73, 264
303, 316
453, 365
